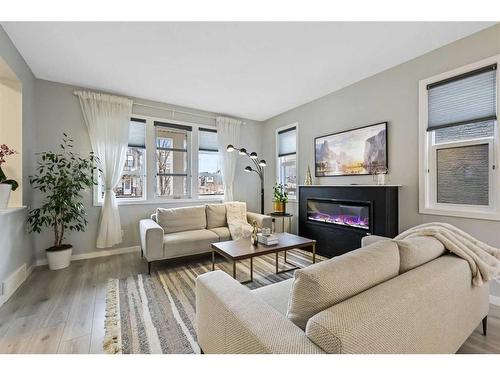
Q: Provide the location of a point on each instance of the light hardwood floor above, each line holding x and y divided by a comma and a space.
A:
63, 311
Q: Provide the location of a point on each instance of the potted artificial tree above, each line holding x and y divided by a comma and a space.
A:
6, 185
61, 176
280, 198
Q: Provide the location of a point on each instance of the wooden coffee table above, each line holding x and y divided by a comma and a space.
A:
243, 249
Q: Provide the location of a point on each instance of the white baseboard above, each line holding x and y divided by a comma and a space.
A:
14, 281
96, 254
494, 300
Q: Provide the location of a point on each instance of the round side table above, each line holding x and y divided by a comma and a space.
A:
283, 216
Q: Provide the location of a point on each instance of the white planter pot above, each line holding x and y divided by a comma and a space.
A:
59, 259
5, 190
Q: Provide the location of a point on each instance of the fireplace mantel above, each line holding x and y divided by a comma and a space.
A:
354, 185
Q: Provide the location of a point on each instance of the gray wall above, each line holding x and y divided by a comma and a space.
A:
23, 252
389, 96
15, 245
57, 111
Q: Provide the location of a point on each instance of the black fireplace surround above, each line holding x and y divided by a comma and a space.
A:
337, 217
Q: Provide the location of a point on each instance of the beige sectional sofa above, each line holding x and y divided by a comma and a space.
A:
177, 232
408, 296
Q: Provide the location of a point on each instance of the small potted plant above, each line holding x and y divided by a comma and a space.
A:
61, 176
280, 198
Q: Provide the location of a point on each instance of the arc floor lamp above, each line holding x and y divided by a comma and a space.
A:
258, 168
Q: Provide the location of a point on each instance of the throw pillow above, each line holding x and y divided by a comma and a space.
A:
236, 213
415, 251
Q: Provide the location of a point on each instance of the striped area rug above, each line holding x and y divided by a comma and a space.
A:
156, 313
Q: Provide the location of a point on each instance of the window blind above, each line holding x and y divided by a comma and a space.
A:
287, 142
465, 99
208, 140
173, 126
137, 133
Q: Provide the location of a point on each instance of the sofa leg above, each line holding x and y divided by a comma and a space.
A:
142, 253
149, 268
485, 325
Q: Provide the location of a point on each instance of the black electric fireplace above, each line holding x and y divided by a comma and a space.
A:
338, 217
353, 214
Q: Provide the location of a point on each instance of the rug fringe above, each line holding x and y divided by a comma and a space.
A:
112, 343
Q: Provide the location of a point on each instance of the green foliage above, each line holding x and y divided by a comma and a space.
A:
62, 176
279, 193
3, 180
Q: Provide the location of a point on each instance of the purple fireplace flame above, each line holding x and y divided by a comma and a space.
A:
347, 220
349, 214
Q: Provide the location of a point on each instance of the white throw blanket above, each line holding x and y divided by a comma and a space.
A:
236, 213
484, 260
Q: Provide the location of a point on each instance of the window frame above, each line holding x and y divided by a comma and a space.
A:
150, 196
276, 157
428, 150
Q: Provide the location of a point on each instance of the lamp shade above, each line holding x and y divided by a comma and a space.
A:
248, 169
243, 151
253, 155
262, 163
230, 148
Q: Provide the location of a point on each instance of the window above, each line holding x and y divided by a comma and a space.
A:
172, 160
209, 164
287, 159
459, 143
159, 163
132, 184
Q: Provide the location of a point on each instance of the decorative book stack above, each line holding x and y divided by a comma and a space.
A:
268, 240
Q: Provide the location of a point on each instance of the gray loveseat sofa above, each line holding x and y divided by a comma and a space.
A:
408, 296
177, 232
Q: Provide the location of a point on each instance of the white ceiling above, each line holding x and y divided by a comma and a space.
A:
251, 70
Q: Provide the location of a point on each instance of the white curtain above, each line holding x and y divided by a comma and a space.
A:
228, 133
108, 118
